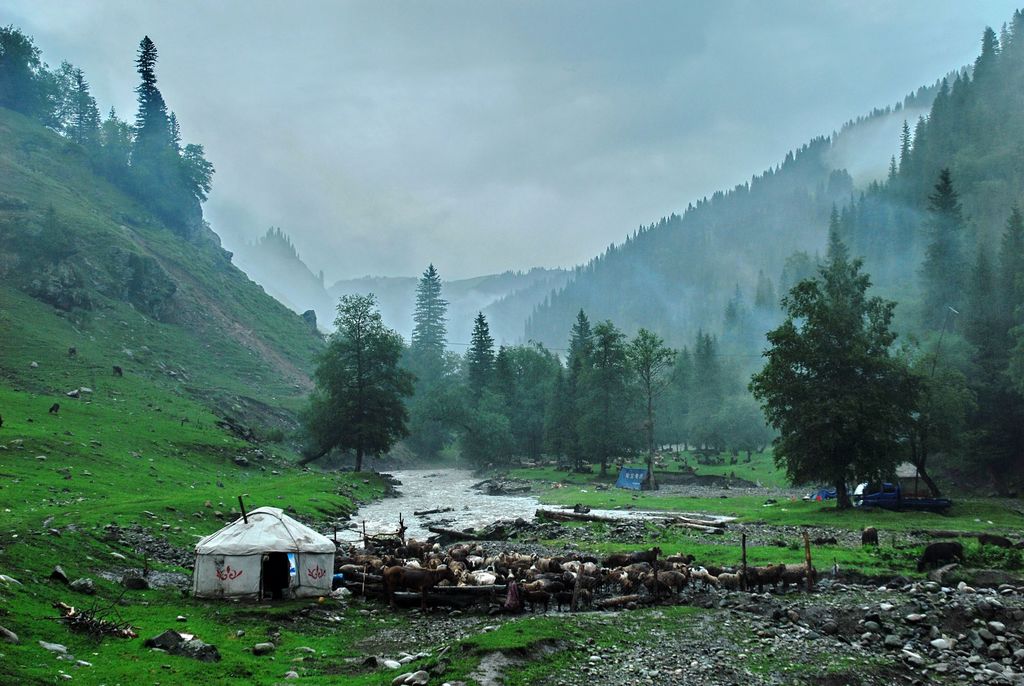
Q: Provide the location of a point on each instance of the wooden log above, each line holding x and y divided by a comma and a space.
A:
807, 558
439, 510
699, 522
561, 516
623, 600
743, 548
697, 527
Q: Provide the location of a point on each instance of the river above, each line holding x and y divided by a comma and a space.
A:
431, 489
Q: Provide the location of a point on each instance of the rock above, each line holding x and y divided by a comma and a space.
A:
241, 461
291, 675
263, 648
913, 658
997, 628
85, 389
914, 618
58, 575
33, 365
54, 647
198, 650
165, 641
86, 586
892, 641
420, 678
240, 633
72, 394
8, 636
134, 582
941, 644
391, 664
400, 679
181, 618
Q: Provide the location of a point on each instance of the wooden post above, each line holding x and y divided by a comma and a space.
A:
807, 558
241, 506
743, 546
365, 542
575, 594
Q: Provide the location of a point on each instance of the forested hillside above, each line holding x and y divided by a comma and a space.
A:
676, 276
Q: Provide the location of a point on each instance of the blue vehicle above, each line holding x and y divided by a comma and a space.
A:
890, 496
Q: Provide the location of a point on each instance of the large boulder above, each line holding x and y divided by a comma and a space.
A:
86, 586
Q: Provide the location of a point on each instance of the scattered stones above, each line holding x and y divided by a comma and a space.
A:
291, 675
8, 636
58, 575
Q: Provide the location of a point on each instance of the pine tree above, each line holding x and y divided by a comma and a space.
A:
152, 126
837, 249
764, 296
1011, 271
429, 429
480, 357
429, 334
604, 400
943, 270
905, 146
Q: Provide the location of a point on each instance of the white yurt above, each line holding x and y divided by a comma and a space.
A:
265, 552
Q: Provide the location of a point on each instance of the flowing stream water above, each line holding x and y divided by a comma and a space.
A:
425, 489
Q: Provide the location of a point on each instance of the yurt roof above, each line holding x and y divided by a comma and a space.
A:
269, 529
906, 470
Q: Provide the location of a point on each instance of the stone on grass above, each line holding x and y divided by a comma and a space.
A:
291, 675
85, 585
8, 636
54, 647
391, 664
263, 648
58, 575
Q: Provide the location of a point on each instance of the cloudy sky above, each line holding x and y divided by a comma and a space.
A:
486, 136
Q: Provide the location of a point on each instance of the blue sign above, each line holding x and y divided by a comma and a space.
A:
632, 478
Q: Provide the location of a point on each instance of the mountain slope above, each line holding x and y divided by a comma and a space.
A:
136, 294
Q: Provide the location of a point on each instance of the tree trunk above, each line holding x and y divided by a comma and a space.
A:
928, 481
359, 459
843, 501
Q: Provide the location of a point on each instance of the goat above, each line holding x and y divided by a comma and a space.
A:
421, 580
55, 408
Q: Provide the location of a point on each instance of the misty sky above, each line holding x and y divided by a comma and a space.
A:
493, 136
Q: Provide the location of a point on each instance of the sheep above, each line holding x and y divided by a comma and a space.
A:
704, 576
731, 581
761, 576
535, 598
565, 598
943, 551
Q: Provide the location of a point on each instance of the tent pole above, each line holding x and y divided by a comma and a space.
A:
241, 505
